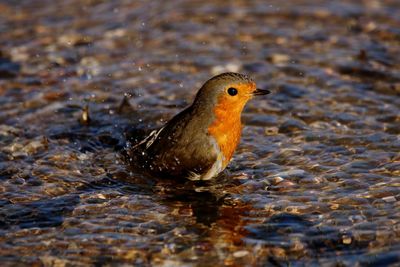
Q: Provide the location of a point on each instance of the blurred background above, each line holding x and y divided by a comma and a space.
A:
314, 181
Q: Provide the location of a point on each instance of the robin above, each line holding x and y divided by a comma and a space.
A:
199, 142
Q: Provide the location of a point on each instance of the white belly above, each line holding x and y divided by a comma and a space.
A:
215, 169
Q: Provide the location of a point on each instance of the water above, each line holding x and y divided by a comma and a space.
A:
314, 181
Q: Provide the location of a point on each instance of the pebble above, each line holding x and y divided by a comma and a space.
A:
389, 199
229, 67
116, 33
19, 54
275, 180
289, 173
8, 69
292, 126
85, 118
33, 146
346, 240
89, 65
256, 67
271, 131
240, 253
74, 39
278, 58
311, 180
7, 130
293, 91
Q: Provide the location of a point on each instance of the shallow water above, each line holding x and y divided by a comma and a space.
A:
314, 181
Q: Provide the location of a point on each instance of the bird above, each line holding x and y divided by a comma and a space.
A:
199, 142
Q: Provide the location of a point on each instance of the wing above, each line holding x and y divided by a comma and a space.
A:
181, 148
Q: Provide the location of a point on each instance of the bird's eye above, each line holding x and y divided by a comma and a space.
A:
232, 91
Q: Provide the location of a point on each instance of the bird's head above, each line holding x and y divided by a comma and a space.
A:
229, 92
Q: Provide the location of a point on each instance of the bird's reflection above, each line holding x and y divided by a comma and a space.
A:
204, 205
214, 208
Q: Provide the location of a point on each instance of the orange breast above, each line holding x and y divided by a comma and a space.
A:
226, 128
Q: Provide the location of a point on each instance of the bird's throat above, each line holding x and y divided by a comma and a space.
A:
226, 130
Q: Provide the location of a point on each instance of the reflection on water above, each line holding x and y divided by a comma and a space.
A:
314, 181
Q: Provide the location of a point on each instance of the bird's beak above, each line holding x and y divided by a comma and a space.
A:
261, 92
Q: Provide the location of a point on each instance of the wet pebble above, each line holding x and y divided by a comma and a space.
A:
290, 173
260, 120
256, 67
278, 58
74, 39
229, 67
292, 126
240, 253
293, 91
8, 69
